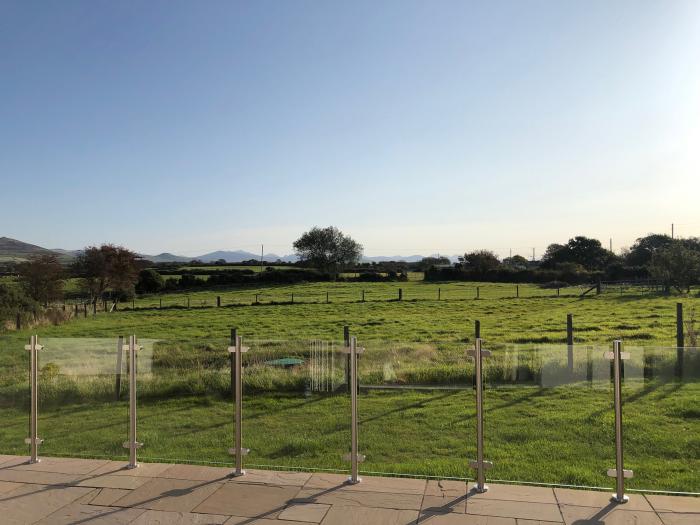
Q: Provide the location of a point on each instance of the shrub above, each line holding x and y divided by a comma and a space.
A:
150, 281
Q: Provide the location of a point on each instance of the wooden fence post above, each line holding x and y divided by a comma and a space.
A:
232, 356
327, 301
680, 339
477, 291
363, 296
400, 294
18, 321
218, 301
439, 293
570, 341
517, 291
346, 339
120, 351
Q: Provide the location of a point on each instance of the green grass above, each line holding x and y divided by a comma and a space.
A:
542, 425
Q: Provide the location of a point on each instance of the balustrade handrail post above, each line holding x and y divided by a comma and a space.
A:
132, 444
480, 464
33, 440
354, 456
238, 451
619, 472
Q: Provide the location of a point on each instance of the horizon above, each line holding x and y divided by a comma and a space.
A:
416, 129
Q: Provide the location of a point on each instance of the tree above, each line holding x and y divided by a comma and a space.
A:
107, 268
327, 249
675, 265
41, 278
428, 262
643, 249
480, 261
585, 251
517, 262
150, 281
12, 302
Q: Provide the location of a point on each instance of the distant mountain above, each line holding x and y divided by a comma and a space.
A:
242, 255
166, 258
14, 250
393, 258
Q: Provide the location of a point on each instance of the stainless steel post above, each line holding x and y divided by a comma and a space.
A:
354, 478
132, 444
619, 472
238, 451
480, 465
33, 440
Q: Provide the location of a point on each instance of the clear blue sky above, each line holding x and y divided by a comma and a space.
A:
417, 127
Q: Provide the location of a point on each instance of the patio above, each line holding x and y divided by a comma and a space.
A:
84, 491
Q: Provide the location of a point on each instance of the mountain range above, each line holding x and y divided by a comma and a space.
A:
14, 250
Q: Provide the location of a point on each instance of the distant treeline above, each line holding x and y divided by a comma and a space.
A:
191, 278
539, 275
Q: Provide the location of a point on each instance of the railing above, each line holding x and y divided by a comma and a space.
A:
543, 414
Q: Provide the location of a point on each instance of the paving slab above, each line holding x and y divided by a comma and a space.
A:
196, 473
443, 487
353, 498
30, 502
598, 499
507, 492
307, 512
272, 477
160, 517
114, 482
538, 522
108, 496
514, 509
253, 501
443, 504
8, 486
41, 478
240, 520
177, 495
80, 513
338, 515
64, 465
611, 515
678, 518
685, 504
118, 468
368, 484
7, 459
463, 519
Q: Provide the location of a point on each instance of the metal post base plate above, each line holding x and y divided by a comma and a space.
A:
237, 474
34, 461
624, 499
481, 489
135, 465
352, 481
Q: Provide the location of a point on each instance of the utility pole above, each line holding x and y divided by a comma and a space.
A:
533, 255
611, 244
262, 252
672, 232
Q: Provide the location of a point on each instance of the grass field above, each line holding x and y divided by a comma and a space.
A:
538, 429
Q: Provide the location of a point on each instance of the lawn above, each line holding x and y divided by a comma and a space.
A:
544, 422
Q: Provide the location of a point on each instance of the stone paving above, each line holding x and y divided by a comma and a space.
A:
79, 491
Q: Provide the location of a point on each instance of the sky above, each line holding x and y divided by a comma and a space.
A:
413, 126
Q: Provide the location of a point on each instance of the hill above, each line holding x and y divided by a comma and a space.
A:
14, 250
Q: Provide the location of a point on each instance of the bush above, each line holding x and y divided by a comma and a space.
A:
13, 301
150, 281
